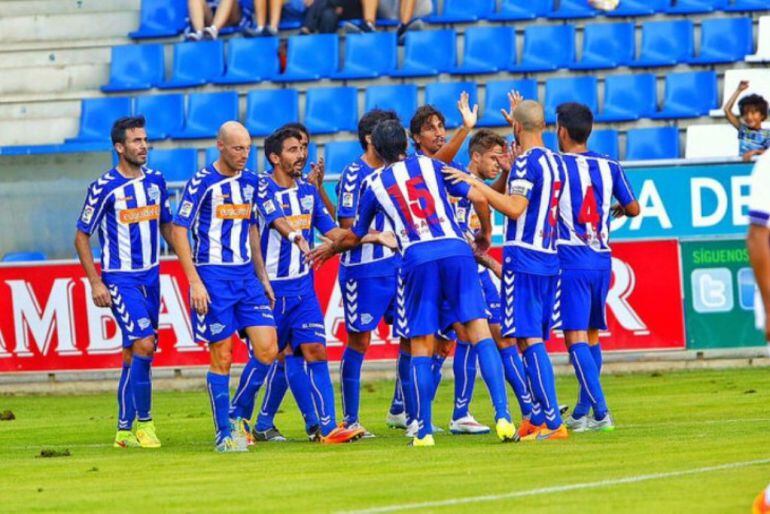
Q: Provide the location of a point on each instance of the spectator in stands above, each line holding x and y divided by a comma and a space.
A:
208, 17
273, 9
407, 12
324, 15
754, 140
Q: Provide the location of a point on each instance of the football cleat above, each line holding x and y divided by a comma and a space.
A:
412, 429
342, 435
577, 424
357, 425
467, 425
546, 433
425, 441
125, 439
145, 433
563, 408
527, 427
506, 431
240, 432
271, 435
229, 445
606, 424
396, 420
314, 434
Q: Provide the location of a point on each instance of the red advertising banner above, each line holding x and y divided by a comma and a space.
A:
48, 322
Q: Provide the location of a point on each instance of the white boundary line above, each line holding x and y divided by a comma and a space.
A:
556, 489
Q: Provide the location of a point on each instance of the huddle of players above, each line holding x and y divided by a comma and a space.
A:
249, 269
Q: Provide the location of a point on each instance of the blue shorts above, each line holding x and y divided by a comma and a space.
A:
235, 305
454, 280
299, 320
136, 308
584, 298
367, 300
491, 296
527, 304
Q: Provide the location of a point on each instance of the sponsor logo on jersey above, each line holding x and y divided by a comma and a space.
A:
299, 221
140, 214
235, 211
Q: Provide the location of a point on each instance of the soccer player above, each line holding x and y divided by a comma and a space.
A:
128, 206
590, 183
758, 238
229, 287
530, 262
438, 265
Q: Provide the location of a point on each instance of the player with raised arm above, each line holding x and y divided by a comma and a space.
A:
128, 206
590, 182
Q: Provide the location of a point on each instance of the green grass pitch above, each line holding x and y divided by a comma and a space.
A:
672, 424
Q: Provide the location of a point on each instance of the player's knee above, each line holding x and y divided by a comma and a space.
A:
314, 352
266, 352
359, 341
405, 345
126, 355
145, 347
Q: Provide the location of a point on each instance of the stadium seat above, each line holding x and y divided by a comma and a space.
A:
368, 56
164, 114
135, 67
177, 164
463, 11
551, 141
665, 43
604, 142
711, 141
463, 158
763, 42
401, 98
444, 95
196, 63
572, 9
331, 109
497, 98
250, 60
759, 83
652, 143
161, 18
547, 48
694, 6
628, 8
311, 57
268, 109
428, 53
688, 95
629, 97
212, 154
97, 116
745, 5
477, 59
571, 89
206, 112
516, 10
606, 45
724, 40
338, 154
24, 256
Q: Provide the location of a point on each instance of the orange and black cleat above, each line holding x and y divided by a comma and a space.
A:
546, 434
526, 428
343, 435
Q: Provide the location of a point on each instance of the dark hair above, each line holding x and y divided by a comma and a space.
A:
370, 120
577, 119
121, 125
753, 102
484, 140
389, 139
274, 142
421, 117
297, 126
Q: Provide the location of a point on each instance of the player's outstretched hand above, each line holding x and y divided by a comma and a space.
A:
617, 211
303, 246
100, 294
317, 172
470, 116
514, 99
505, 160
320, 254
388, 239
482, 242
455, 176
269, 293
199, 298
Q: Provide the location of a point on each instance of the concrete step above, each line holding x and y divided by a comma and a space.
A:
52, 79
38, 131
11, 112
54, 57
50, 27
34, 7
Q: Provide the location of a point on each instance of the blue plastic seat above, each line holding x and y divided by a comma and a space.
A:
477, 58
331, 109
161, 18
428, 53
177, 164
24, 256
401, 98
695, 6
497, 98
604, 142
338, 154
745, 5
206, 112
652, 143
310, 57
97, 116
196, 63
516, 10
572, 9
628, 8
135, 67
268, 109
463, 11
444, 96
164, 114
212, 154
463, 158
606, 45
724, 40
689, 95
547, 48
572, 89
665, 43
250, 60
629, 97
368, 55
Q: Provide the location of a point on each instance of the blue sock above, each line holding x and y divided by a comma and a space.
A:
588, 377
253, 376
437, 365
537, 417
540, 372
464, 367
516, 377
350, 372
397, 404
299, 382
275, 390
323, 394
423, 384
492, 372
584, 402
407, 387
219, 393
141, 383
126, 406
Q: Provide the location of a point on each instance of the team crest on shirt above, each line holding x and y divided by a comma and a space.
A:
248, 194
306, 202
366, 318
88, 214
153, 192
144, 323
185, 209
216, 328
347, 199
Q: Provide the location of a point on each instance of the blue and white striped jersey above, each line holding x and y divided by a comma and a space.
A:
591, 181
304, 210
127, 213
415, 197
530, 240
218, 210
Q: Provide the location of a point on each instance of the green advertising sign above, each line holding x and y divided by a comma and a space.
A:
719, 291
